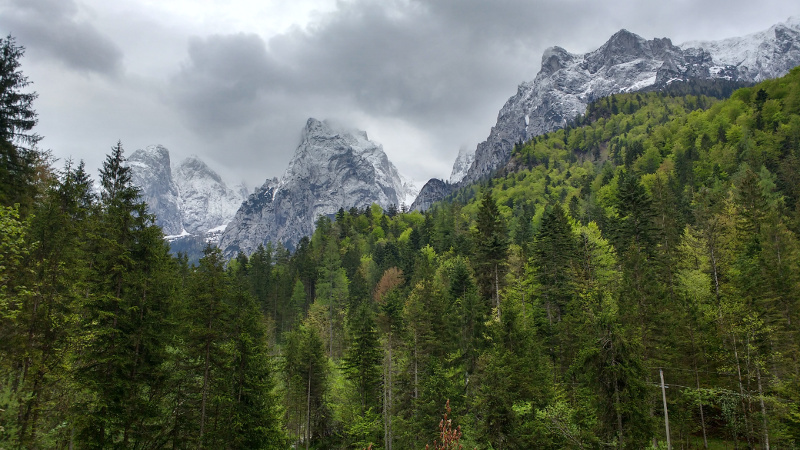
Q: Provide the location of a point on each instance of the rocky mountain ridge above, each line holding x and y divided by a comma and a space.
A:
461, 166
332, 168
151, 171
568, 82
188, 199
207, 202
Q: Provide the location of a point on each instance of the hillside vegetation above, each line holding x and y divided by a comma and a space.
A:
653, 239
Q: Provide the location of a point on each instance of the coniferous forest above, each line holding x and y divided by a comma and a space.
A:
633, 272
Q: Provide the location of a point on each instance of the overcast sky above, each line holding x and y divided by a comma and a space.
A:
234, 81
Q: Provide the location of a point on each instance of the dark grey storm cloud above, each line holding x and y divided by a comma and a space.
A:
224, 79
400, 61
53, 27
441, 67
417, 60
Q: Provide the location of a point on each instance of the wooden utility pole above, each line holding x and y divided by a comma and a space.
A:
308, 408
666, 414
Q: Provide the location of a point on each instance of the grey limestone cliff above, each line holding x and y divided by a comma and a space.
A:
188, 198
332, 168
151, 172
207, 203
433, 191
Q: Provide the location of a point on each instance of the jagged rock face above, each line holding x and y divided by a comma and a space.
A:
433, 191
462, 165
767, 54
207, 202
331, 169
191, 198
567, 82
150, 171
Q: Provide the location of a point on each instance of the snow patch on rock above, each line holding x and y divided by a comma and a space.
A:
463, 162
568, 82
189, 199
332, 168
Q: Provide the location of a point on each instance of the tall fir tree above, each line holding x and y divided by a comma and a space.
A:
19, 159
305, 370
254, 422
208, 314
553, 257
491, 248
124, 314
363, 360
332, 293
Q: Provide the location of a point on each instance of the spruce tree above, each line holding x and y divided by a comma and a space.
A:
553, 255
47, 318
388, 298
13, 252
511, 372
254, 422
305, 369
208, 315
260, 276
363, 359
491, 248
17, 116
332, 292
124, 312
641, 295
611, 367
18, 155
297, 303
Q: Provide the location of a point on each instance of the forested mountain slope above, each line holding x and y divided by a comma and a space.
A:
657, 232
568, 82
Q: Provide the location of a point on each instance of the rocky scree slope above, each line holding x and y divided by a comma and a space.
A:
567, 83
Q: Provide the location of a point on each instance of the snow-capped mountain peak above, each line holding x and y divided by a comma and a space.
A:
151, 172
206, 200
195, 168
332, 168
462, 164
567, 83
758, 56
189, 198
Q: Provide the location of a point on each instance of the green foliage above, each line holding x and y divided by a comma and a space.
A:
564, 426
305, 372
511, 372
553, 255
656, 233
18, 116
491, 247
19, 159
363, 360
12, 251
